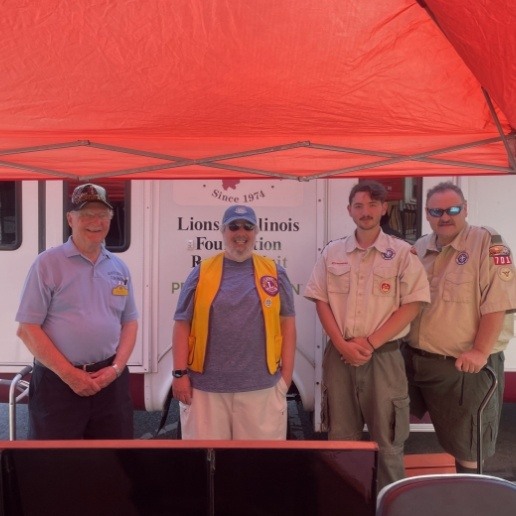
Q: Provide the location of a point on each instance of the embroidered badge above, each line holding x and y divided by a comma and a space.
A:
389, 254
499, 250
120, 290
506, 273
269, 285
385, 287
462, 258
501, 260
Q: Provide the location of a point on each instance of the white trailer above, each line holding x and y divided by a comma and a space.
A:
168, 226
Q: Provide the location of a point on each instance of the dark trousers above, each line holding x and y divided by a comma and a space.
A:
56, 412
453, 398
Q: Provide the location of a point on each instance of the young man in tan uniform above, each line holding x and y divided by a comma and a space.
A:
367, 288
471, 274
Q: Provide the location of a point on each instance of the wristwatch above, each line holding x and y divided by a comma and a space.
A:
117, 369
179, 373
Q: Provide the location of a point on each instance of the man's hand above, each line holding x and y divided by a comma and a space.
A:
82, 383
356, 351
104, 376
471, 361
182, 389
287, 380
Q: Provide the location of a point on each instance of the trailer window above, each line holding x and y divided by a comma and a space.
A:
119, 194
10, 215
403, 217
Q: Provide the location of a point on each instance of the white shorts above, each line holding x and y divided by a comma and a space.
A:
252, 415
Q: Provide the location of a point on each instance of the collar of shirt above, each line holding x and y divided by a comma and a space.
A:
381, 243
71, 250
458, 243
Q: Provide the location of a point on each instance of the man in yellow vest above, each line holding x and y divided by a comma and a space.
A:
234, 340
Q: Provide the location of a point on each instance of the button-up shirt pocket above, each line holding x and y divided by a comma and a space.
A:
384, 281
458, 287
339, 279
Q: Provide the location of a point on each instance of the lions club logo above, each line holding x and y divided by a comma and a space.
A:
269, 285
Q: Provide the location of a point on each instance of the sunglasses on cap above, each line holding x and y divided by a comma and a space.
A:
235, 226
439, 212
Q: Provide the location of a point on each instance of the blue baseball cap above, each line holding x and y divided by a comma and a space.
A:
239, 212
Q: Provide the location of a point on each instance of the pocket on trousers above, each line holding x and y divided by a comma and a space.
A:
278, 397
281, 386
184, 408
401, 426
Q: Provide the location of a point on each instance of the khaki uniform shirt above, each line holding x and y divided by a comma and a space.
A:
364, 287
470, 277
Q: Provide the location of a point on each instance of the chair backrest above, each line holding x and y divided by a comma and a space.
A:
448, 495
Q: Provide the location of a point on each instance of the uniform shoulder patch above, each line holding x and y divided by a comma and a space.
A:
506, 273
496, 238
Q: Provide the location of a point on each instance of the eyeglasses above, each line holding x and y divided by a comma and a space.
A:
235, 226
439, 212
92, 215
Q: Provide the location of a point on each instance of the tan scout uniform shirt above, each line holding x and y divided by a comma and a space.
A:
365, 287
470, 277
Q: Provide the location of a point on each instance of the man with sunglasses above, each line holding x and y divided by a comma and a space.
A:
367, 288
471, 274
234, 340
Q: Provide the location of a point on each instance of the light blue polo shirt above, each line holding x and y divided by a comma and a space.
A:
80, 305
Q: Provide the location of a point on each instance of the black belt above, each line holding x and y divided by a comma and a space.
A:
392, 345
96, 366
89, 368
427, 354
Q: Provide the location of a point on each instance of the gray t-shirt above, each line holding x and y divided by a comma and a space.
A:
235, 359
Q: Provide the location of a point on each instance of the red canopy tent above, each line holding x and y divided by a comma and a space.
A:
256, 88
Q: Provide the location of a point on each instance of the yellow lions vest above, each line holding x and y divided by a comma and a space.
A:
266, 281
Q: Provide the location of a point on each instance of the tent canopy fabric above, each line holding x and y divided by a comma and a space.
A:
209, 89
